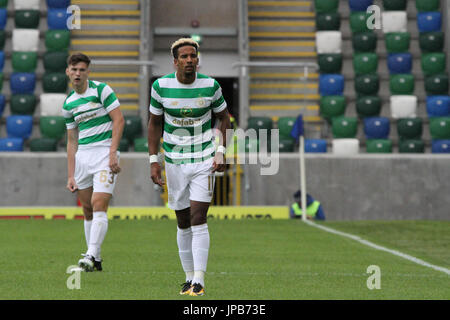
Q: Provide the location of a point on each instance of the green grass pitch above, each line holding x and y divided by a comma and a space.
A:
249, 259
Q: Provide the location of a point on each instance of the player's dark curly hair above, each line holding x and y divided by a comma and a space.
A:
78, 57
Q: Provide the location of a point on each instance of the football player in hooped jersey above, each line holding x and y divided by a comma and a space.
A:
181, 105
94, 128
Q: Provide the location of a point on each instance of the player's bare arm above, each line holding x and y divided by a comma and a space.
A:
154, 136
117, 130
72, 147
224, 123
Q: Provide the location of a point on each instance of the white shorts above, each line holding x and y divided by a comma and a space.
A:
92, 169
191, 181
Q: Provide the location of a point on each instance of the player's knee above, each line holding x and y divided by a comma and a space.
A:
99, 204
183, 218
197, 219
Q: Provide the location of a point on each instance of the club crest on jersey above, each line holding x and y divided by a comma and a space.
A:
201, 102
186, 112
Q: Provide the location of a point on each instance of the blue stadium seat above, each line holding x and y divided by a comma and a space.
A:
440, 146
57, 19
316, 145
19, 126
359, 5
2, 60
438, 106
376, 127
11, 144
3, 18
58, 4
2, 104
429, 21
400, 63
22, 82
331, 84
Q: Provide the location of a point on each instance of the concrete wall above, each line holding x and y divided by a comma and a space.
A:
350, 188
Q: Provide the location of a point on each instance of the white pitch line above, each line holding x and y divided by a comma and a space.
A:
377, 247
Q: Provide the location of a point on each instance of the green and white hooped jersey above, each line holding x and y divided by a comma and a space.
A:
188, 137
89, 112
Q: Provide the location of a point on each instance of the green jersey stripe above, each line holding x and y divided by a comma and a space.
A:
94, 122
169, 147
96, 138
188, 160
187, 112
186, 93
81, 101
109, 100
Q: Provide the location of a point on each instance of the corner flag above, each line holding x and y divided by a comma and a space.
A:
297, 128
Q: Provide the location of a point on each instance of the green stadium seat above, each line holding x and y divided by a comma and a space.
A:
411, 146
57, 40
286, 145
368, 106
124, 145
409, 128
285, 125
364, 42
43, 145
251, 145
344, 127
431, 41
332, 106
401, 84
55, 61
397, 42
132, 128
258, 123
52, 127
2, 39
54, 82
440, 128
365, 63
330, 21
140, 144
358, 21
427, 5
23, 103
394, 5
379, 146
323, 6
24, 61
436, 85
3, 3
330, 63
367, 84
27, 19
433, 63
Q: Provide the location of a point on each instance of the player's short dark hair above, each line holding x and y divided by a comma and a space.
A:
78, 57
181, 43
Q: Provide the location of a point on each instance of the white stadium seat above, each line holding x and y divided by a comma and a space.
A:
394, 21
25, 40
52, 103
26, 4
329, 42
345, 147
403, 106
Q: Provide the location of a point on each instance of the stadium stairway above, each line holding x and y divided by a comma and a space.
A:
110, 31
283, 31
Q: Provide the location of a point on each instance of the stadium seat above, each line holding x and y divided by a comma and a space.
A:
364, 42
55, 61
140, 145
285, 125
23, 104
286, 145
429, 21
344, 127
26, 4
25, 40
394, 21
1, 81
2, 104
332, 106
328, 21
367, 84
43, 145
345, 147
438, 106
54, 82
2, 39
323, 6
2, 60
431, 41
440, 146
57, 19
427, 5
132, 128
365, 63
124, 145
57, 40
24, 61
3, 3
19, 126
410, 128
359, 5
3, 18
411, 146
52, 127
260, 123
379, 146
330, 63
328, 42
251, 145
399, 63
316, 145
52, 103
403, 106
394, 5
436, 85
358, 21
22, 82
55, 4
433, 63
368, 106
27, 19
401, 84
440, 128
11, 144
376, 127
397, 42
331, 84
